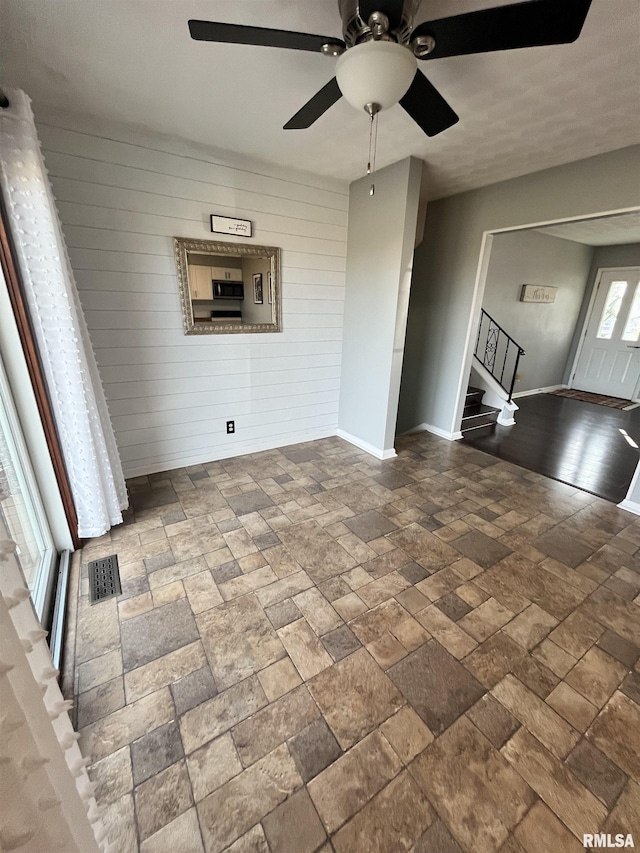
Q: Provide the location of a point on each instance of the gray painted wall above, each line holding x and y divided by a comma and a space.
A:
252, 312
444, 306
603, 256
544, 331
382, 231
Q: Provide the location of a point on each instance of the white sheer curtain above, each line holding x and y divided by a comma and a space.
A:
68, 361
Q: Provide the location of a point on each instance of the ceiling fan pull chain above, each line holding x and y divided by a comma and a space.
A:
372, 111
371, 117
375, 149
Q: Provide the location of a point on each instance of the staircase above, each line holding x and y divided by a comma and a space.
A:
498, 353
495, 368
476, 415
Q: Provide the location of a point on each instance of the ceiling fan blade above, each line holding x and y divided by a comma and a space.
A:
391, 8
317, 106
529, 24
260, 36
427, 107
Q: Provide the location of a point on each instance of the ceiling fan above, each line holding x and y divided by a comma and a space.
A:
377, 61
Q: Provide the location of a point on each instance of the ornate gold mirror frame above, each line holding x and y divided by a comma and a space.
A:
256, 268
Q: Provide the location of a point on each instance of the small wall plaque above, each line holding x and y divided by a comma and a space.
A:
537, 293
227, 225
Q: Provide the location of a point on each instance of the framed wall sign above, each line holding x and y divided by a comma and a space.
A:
227, 225
537, 293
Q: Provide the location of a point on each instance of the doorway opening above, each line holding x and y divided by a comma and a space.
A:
583, 333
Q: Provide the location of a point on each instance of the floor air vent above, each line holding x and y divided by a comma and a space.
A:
104, 579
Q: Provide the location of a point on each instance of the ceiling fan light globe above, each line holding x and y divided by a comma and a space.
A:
375, 72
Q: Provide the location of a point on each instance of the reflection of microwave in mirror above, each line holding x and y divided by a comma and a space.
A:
228, 290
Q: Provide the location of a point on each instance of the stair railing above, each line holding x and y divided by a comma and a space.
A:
498, 352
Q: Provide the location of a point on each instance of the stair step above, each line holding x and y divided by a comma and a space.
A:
477, 414
478, 431
474, 395
472, 408
477, 409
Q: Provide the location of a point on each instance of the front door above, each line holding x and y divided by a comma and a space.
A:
609, 362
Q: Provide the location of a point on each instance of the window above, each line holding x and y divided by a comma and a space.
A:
22, 516
632, 326
617, 290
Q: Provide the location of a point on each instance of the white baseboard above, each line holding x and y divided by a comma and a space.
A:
364, 445
546, 390
237, 448
630, 506
434, 430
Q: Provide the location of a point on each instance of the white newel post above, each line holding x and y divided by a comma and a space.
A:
46, 796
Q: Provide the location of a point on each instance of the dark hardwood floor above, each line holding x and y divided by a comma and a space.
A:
577, 443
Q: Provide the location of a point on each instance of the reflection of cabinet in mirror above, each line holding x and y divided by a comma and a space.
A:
222, 274
228, 287
200, 282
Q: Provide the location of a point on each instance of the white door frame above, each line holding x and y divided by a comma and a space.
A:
587, 319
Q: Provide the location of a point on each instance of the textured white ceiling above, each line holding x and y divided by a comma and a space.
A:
133, 61
603, 231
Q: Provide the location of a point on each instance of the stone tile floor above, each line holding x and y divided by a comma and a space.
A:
317, 651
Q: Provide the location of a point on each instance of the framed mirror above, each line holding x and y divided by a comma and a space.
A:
228, 288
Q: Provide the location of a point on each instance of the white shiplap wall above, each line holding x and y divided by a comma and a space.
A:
122, 197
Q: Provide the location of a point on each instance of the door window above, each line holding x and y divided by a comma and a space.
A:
612, 305
632, 326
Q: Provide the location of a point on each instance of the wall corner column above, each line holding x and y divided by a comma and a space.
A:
380, 244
